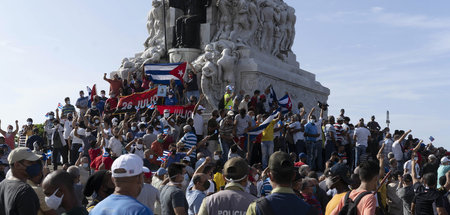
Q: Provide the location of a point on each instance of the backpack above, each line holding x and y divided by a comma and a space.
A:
263, 205
350, 205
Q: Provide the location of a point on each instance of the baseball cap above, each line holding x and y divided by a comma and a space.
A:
280, 162
200, 107
230, 113
161, 171
302, 155
127, 165
235, 169
342, 171
430, 157
22, 153
443, 160
187, 158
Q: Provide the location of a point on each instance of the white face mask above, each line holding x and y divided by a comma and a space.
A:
139, 146
29, 123
54, 201
51, 116
216, 157
114, 123
85, 165
10, 130
97, 121
133, 128
256, 177
68, 102
88, 133
151, 156
103, 95
415, 158
142, 119
166, 115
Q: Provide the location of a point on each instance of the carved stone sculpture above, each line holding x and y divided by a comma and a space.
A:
226, 66
209, 81
267, 19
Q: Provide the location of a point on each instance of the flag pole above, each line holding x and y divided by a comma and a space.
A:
165, 29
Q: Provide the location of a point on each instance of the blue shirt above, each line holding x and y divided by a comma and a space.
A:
194, 199
190, 140
311, 128
172, 101
120, 205
177, 158
266, 187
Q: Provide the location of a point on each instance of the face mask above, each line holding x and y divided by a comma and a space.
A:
10, 130
142, 119
328, 182
68, 102
88, 133
97, 121
139, 146
133, 128
415, 158
344, 161
33, 170
85, 165
166, 115
54, 201
216, 157
170, 96
94, 107
115, 123
312, 121
150, 157
51, 117
29, 123
103, 95
256, 177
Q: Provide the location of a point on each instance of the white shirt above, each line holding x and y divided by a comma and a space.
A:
138, 152
299, 135
76, 140
397, 150
67, 128
148, 196
362, 136
116, 146
407, 168
198, 123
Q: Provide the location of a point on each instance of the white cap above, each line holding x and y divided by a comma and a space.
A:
431, 156
127, 165
200, 107
445, 160
187, 158
230, 113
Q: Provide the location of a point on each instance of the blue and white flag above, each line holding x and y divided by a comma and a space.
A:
272, 96
431, 138
258, 130
285, 104
163, 73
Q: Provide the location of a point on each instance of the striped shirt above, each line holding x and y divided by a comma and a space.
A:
190, 140
67, 109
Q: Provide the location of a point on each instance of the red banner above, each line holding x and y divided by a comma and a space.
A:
184, 111
137, 100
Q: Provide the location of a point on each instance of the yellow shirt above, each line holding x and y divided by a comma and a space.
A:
334, 202
267, 134
218, 179
229, 104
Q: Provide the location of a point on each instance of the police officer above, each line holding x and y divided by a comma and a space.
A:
234, 199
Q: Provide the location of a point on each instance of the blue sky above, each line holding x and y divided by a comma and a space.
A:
373, 55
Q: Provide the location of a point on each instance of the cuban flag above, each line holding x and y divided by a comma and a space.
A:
272, 96
163, 73
46, 115
258, 130
285, 104
152, 106
60, 106
92, 92
431, 138
166, 154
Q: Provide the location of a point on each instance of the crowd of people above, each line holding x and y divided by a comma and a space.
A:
91, 160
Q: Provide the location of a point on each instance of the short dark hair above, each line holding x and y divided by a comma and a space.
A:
175, 169
442, 180
256, 92
430, 179
81, 91
407, 178
67, 98
368, 170
282, 177
197, 178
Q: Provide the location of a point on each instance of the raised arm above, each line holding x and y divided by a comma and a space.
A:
202, 167
418, 146
198, 103
2, 131
106, 79
311, 112
413, 168
57, 114
321, 113
191, 150
128, 146
17, 128
380, 157
404, 135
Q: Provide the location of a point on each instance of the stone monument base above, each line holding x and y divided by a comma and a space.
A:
177, 55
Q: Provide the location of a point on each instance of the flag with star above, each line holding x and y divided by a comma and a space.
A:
163, 73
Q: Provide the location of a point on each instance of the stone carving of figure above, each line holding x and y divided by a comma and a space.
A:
226, 66
188, 26
240, 20
225, 19
255, 24
281, 34
155, 25
290, 28
153, 54
267, 18
126, 67
209, 80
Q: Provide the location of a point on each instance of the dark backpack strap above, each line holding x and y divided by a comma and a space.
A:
347, 197
360, 196
263, 205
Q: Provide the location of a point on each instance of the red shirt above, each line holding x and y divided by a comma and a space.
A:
93, 153
156, 148
114, 86
95, 164
299, 164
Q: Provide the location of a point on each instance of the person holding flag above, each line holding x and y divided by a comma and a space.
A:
267, 144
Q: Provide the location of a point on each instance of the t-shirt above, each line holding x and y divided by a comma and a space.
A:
76, 140
82, 102
334, 202
366, 206
67, 109
116, 146
41, 197
148, 196
339, 132
362, 136
67, 129
172, 197
120, 205
17, 198
198, 123
212, 123
241, 124
406, 194
397, 150
424, 199
229, 104
194, 199
148, 140
190, 140
298, 135
76, 211
114, 87
407, 168
330, 132
441, 172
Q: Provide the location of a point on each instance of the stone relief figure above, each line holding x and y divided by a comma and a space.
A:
155, 25
290, 28
209, 82
267, 19
255, 24
240, 21
224, 19
153, 54
126, 67
226, 65
187, 28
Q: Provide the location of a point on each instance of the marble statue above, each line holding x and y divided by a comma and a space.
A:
155, 25
224, 19
126, 67
240, 20
209, 80
226, 65
267, 20
188, 26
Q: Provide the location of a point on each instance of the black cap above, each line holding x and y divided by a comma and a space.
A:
342, 171
235, 168
280, 162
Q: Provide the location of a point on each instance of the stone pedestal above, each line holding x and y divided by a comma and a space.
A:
177, 55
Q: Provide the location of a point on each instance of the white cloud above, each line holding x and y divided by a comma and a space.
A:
9, 46
376, 9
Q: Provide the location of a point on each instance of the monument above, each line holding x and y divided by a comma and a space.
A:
243, 43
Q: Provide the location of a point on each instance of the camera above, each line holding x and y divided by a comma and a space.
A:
322, 105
